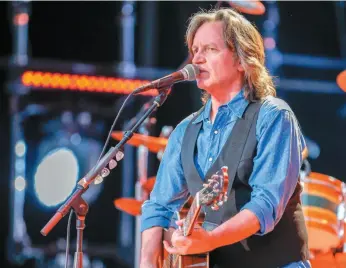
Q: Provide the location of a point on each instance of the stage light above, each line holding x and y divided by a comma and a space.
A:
64, 155
252, 7
20, 148
64, 148
88, 83
56, 151
56, 176
20, 183
21, 19
269, 43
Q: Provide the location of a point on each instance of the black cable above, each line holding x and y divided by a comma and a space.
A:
68, 238
113, 125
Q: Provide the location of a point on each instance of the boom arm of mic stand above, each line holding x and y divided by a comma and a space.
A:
84, 183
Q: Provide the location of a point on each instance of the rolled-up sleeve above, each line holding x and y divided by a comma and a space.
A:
170, 190
276, 166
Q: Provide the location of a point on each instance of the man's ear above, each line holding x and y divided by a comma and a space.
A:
240, 67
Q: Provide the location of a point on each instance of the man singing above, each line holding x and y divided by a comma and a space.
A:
244, 126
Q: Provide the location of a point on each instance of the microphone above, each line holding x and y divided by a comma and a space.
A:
188, 73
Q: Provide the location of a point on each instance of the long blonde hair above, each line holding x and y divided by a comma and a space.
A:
247, 44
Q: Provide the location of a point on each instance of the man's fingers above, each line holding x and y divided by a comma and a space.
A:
169, 248
180, 222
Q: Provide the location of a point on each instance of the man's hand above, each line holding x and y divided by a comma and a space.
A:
199, 241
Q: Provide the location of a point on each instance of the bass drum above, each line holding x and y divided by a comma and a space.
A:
323, 200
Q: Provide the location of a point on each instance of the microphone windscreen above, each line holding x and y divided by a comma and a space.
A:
191, 72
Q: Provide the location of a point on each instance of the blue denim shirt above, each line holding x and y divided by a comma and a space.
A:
275, 171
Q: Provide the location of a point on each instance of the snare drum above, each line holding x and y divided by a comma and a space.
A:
323, 200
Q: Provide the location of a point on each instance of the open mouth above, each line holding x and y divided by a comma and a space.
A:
201, 72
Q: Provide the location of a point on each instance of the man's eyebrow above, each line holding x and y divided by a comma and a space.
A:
205, 45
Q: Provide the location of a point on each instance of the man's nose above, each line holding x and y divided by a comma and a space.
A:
198, 58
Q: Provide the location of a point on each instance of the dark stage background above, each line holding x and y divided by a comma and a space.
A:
308, 35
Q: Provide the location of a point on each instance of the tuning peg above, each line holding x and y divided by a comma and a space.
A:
215, 207
220, 203
216, 183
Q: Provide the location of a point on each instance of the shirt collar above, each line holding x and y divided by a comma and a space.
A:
237, 105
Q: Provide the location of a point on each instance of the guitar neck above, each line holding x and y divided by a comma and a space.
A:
191, 216
189, 222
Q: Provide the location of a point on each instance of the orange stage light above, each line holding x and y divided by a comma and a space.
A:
76, 82
341, 80
21, 19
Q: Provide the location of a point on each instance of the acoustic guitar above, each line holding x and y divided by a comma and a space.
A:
214, 194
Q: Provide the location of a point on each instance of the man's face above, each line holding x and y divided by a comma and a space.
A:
218, 68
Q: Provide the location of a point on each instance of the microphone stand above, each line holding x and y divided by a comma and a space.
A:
80, 208
76, 202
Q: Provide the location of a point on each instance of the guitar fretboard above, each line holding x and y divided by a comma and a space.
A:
189, 221
191, 216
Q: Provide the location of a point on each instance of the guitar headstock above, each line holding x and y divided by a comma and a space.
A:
214, 192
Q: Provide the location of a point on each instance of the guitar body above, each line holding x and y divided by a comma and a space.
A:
197, 260
184, 261
214, 194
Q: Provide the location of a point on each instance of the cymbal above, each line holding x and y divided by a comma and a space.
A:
341, 80
252, 7
148, 185
154, 144
129, 205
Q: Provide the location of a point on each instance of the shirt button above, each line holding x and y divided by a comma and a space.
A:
215, 132
210, 159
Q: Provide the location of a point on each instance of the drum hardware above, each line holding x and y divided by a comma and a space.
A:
157, 145
131, 206
343, 219
341, 80
323, 199
154, 144
326, 184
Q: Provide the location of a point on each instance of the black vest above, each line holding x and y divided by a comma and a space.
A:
288, 241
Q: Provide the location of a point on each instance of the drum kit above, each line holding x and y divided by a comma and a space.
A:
323, 202
324, 206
